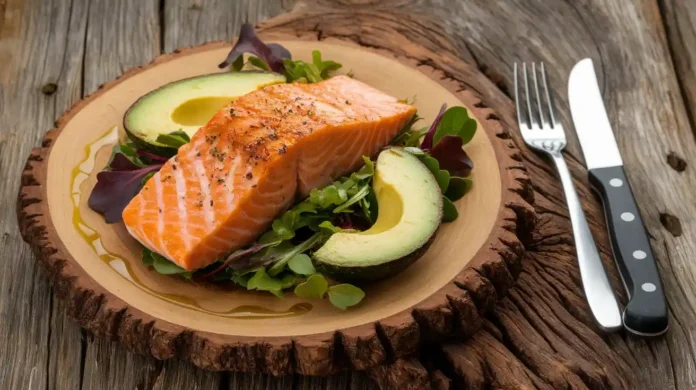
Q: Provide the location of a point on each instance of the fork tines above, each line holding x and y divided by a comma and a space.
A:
530, 111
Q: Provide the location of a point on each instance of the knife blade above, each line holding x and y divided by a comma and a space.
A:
646, 311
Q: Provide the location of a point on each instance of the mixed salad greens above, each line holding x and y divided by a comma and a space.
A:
280, 259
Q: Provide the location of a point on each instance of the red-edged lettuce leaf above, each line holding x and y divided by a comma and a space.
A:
154, 158
428, 140
248, 42
449, 153
117, 186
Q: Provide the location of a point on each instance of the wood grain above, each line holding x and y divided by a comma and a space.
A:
193, 22
130, 38
679, 19
647, 108
650, 122
31, 336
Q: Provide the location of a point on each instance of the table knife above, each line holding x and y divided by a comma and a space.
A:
645, 313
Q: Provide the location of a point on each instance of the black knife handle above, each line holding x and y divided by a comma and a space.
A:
646, 311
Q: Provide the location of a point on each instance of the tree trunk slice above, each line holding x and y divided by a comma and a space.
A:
455, 309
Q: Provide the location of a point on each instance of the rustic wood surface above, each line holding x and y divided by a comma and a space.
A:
53, 53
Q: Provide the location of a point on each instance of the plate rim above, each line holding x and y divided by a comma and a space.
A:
457, 308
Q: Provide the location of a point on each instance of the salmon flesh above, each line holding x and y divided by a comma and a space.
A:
252, 161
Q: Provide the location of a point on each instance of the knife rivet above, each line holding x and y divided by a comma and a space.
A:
648, 287
628, 217
616, 182
639, 255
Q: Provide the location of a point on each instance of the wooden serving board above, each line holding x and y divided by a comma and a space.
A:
96, 267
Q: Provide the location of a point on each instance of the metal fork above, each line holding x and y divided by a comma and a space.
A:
542, 131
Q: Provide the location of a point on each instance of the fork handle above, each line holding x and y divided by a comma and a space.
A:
646, 311
598, 291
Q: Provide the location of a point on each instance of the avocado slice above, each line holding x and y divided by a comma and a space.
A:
189, 104
410, 211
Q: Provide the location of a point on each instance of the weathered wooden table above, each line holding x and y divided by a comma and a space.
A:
54, 52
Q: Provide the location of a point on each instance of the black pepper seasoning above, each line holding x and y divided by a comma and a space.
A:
249, 176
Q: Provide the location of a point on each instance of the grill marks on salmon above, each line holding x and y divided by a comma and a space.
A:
253, 160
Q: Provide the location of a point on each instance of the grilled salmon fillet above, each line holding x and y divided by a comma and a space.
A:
253, 159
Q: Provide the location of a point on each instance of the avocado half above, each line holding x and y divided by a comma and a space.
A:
189, 104
410, 212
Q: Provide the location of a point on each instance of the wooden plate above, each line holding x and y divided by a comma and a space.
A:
96, 267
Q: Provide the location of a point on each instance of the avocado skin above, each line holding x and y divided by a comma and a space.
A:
372, 273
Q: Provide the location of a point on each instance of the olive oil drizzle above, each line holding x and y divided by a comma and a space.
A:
80, 173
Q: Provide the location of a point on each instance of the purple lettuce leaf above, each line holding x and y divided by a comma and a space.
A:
122, 163
428, 140
248, 42
117, 186
151, 156
449, 153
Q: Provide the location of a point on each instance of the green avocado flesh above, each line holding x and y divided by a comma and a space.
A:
410, 211
189, 104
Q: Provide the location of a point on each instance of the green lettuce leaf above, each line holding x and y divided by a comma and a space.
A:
301, 264
162, 265
449, 210
314, 288
262, 282
345, 295
174, 139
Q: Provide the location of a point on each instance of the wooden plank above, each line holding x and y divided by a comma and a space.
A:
39, 346
651, 121
192, 22
183, 375
643, 102
66, 352
252, 380
679, 18
120, 35
354, 380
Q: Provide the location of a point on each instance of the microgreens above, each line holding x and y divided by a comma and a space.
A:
441, 151
276, 58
